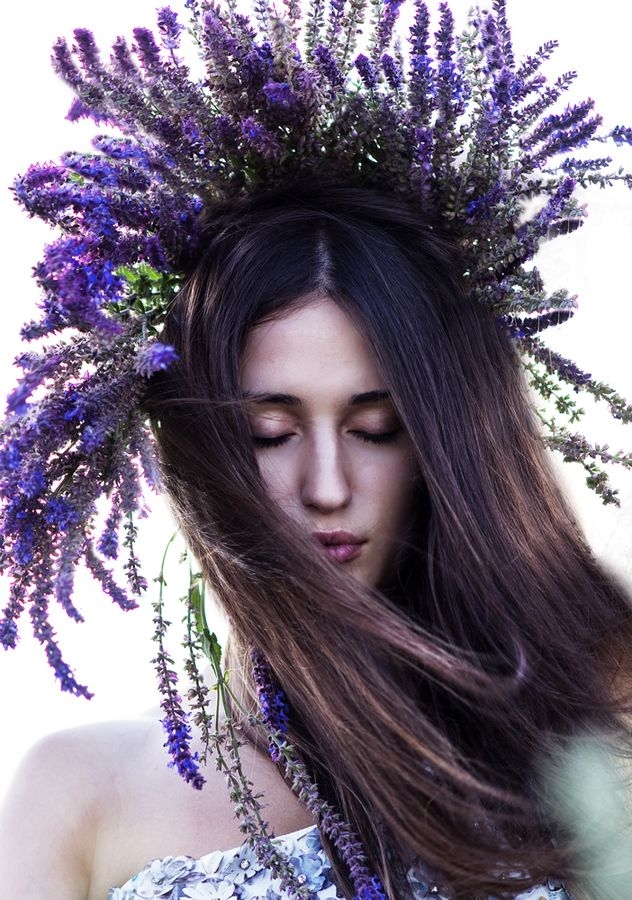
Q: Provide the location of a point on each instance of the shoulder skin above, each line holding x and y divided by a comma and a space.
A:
91, 806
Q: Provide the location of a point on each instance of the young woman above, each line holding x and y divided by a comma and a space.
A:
309, 274
348, 447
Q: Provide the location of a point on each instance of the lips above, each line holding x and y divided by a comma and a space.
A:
339, 546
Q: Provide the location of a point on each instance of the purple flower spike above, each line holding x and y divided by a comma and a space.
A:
8, 633
520, 328
621, 134
87, 50
16, 401
122, 58
385, 26
100, 573
108, 542
61, 514
10, 615
326, 62
176, 720
366, 71
261, 140
279, 93
392, 71
272, 702
155, 358
64, 64
147, 49
169, 28
274, 715
46, 636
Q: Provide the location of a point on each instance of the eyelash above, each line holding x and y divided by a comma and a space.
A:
270, 442
386, 437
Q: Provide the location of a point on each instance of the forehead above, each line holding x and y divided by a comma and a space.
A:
315, 346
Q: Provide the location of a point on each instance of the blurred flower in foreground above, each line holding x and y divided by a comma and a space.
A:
589, 790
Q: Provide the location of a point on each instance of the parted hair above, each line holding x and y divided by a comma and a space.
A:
425, 711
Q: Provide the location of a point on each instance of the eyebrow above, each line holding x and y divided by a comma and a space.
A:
261, 397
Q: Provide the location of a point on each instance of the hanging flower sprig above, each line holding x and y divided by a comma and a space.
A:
219, 730
176, 719
274, 716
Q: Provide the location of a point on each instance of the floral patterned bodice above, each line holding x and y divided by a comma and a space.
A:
237, 875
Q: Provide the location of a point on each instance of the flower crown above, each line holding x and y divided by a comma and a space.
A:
480, 141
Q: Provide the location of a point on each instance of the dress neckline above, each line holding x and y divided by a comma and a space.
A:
289, 835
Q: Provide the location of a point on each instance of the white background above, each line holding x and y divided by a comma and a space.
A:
111, 652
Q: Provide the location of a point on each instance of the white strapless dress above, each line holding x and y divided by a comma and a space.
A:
238, 875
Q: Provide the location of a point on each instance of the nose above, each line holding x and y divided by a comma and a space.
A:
325, 483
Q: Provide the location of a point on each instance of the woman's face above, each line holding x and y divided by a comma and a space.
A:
329, 445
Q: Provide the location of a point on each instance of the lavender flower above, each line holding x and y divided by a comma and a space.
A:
122, 58
104, 577
327, 64
274, 716
272, 702
557, 125
79, 110
557, 364
175, 721
169, 28
484, 207
336, 14
284, 104
621, 134
490, 45
155, 358
130, 492
392, 71
64, 64
147, 50
219, 44
504, 32
384, 33
450, 92
261, 140
60, 513
71, 550
44, 633
280, 94
367, 71
108, 544
87, 50
17, 399
421, 81
526, 327
12, 612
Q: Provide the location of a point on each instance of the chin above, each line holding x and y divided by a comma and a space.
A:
369, 580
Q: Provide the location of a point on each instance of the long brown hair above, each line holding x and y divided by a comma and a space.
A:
423, 711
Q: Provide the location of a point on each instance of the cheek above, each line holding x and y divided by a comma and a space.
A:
277, 476
394, 489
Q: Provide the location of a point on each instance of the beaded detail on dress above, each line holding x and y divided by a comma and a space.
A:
238, 875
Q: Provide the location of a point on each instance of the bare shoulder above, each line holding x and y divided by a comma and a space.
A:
49, 820
92, 806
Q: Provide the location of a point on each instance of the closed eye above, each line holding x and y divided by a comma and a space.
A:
270, 441
383, 437
369, 437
